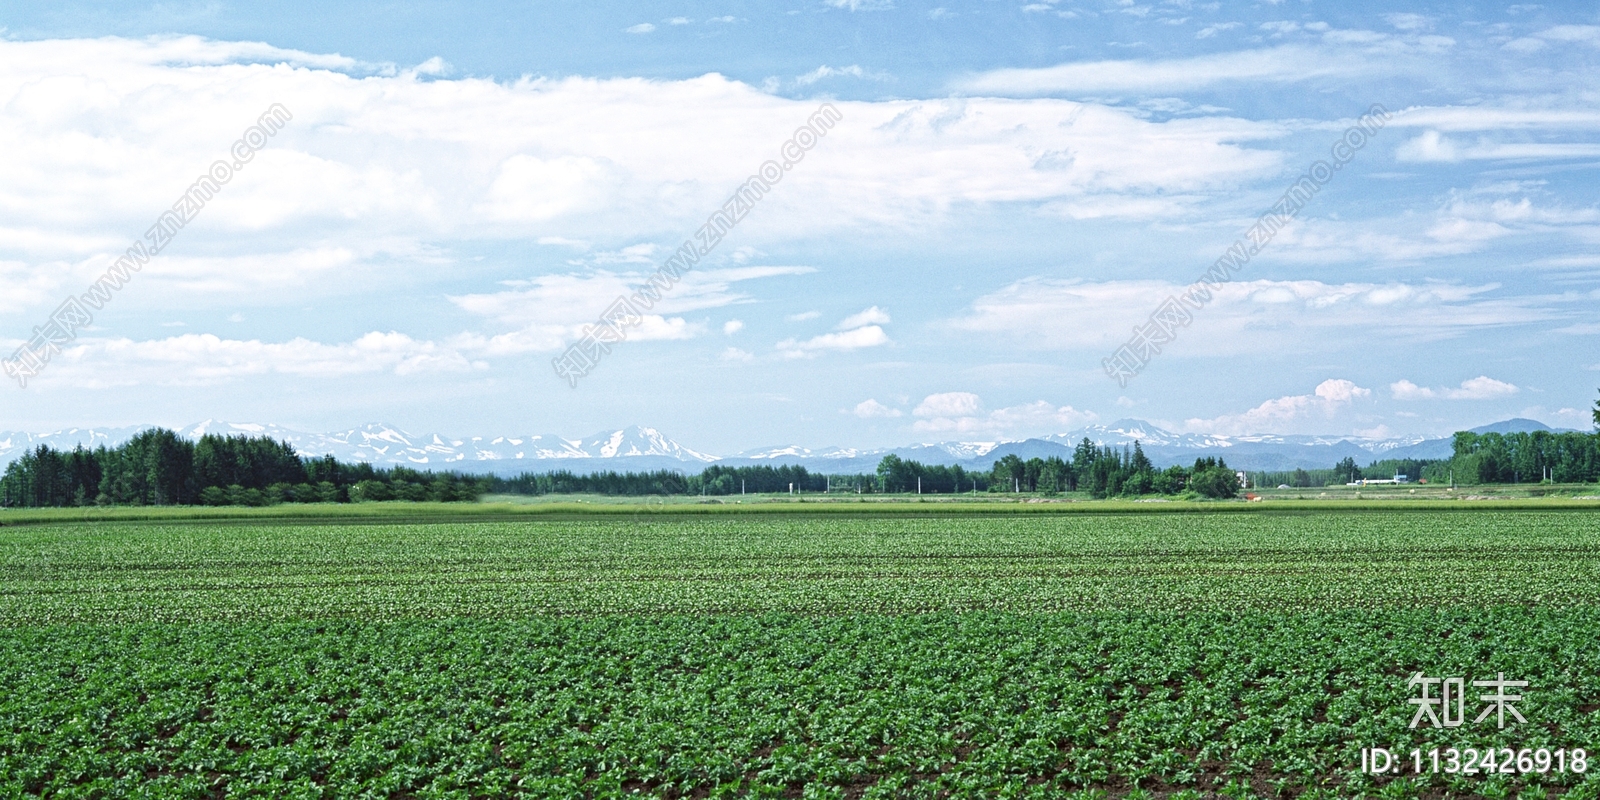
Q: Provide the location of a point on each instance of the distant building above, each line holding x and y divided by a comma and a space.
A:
1399, 477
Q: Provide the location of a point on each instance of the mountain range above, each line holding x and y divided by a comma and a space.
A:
639, 448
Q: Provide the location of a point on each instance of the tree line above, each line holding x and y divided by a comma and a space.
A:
158, 467
1105, 471
1533, 457
714, 480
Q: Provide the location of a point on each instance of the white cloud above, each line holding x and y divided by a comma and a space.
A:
870, 316
949, 404
1212, 30
1409, 22
561, 240
962, 414
578, 298
1488, 117
862, 5
852, 71
1482, 387
869, 336
643, 27
1043, 314
803, 316
735, 354
732, 327
1406, 390
857, 331
1285, 414
530, 189
547, 312
1581, 419
1465, 224
1586, 34
1432, 146
678, 21
1285, 64
196, 358
385, 164
872, 409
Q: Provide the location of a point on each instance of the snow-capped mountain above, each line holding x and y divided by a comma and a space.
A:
636, 441
796, 451
1127, 431
639, 448
15, 443
385, 444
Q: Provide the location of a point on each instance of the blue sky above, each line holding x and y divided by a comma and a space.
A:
1013, 187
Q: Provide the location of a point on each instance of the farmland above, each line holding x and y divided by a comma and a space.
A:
828, 655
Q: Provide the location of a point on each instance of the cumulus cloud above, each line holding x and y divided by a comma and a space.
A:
1482, 387
872, 409
643, 27
870, 316
949, 404
1285, 414
732, 327
963, 414
857, 331
868, 336
386, 163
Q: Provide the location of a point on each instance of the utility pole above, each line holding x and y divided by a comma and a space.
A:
919, 484
741, 487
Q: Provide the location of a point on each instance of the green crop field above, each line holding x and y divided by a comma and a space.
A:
817, 655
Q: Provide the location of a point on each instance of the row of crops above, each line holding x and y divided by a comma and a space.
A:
1130, 656
737, 565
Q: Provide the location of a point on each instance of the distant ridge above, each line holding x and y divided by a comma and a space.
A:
637, 448
1515, 425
